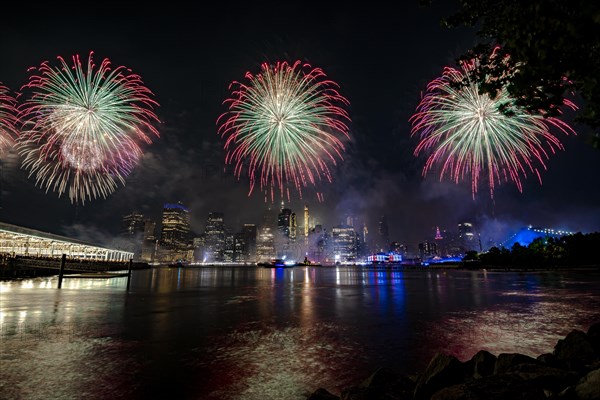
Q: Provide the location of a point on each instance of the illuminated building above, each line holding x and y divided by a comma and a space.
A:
133, 224
132, 231
343, 240
427, 250
175, 231
149, 241
19, 241
265, 242
215, 237
384, 236
248, 235
306, 222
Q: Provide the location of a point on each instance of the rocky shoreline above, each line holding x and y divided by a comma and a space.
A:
570, 372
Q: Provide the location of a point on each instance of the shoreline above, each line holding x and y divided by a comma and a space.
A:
570, 372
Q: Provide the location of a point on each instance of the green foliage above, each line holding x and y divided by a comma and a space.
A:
554, 44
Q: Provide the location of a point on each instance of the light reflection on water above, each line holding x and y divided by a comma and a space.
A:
260, 333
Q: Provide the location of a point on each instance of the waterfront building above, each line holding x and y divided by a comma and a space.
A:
175, 234
344, 244
24, 242
149, 241
215, 237
383, 241
265, 241
131, 235
248, 235
427, 250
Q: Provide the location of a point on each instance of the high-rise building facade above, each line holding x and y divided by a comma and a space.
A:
175, 230
133, 224
215, 237
344, 243
132, 231
149, 241
249, 237
383, 240
176, 234
265, 241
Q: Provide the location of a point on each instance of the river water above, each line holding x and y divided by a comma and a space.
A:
261, 333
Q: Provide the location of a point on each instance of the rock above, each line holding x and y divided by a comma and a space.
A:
443, 371
550, 360
389, 382
575, 350
593, 335
456, 392
483, 364
588, 388
322, 394
507, 360
543, 376
494, 387
367, 393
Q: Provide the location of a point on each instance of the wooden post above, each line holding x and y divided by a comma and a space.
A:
129, 273
62, 270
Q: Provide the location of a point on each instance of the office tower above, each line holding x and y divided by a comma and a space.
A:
132, 224
427, 250
249, 234
344, 243
175, 231
306, 222
149, 241
265, 242
214, 233
466, 235
383, 242
132, 231
284, 221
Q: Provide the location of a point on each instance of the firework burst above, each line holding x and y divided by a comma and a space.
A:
286, 126
83, 127
8, 121
467, 135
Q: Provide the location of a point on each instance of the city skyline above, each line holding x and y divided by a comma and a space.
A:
382, 62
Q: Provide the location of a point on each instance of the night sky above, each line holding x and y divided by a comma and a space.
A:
381, 57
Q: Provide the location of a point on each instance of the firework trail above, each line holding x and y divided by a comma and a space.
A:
8, 121
285, 127
467, 135
83, 126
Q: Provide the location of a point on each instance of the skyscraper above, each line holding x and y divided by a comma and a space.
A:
383, 242
265, 243
149, 241
214, 236
249, 236
344, 243
132, 232
175, 231
306, 222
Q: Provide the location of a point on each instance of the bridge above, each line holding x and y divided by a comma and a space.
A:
20, 242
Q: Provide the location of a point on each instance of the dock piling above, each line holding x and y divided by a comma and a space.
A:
62, 270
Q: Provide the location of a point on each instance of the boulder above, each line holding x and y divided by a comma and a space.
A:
550, 360
443, 371
593, 335
507, 360
367, 393
388, 381
588, 388
495, 387
544, 377
483, 363
322, 394
575, 350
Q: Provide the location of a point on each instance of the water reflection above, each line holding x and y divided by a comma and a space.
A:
261, 333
